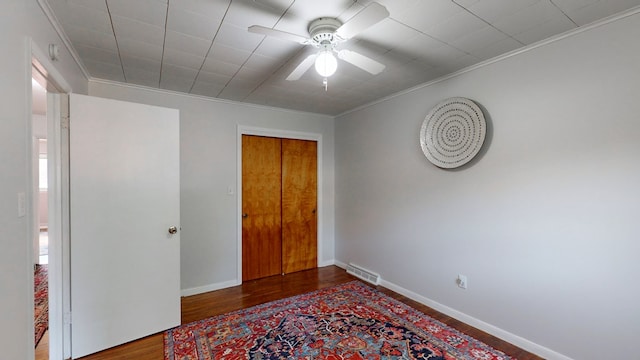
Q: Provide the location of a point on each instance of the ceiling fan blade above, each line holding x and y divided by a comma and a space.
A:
369, 16
365, 63
257, 29
302, 68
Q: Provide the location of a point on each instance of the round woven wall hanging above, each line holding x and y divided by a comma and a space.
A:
453, 132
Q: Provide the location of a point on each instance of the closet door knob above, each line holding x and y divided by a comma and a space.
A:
173, 230
245, 215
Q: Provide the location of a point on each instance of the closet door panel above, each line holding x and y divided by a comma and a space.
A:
299, 205
261, 207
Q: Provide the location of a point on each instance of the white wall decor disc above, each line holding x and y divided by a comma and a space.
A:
453, 132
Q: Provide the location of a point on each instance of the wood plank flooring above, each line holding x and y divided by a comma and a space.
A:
256, 292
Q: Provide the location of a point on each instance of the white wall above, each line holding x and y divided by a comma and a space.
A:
544, 223
208, 156
19, 20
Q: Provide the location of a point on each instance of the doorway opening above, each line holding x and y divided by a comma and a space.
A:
41, 210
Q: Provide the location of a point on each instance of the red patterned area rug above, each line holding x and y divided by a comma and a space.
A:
41, 301
349, 321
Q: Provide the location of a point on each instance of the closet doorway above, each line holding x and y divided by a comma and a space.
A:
279, 206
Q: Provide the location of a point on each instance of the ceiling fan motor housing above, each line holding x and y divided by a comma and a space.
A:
323, 30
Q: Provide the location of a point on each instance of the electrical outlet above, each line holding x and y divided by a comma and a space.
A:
462, 281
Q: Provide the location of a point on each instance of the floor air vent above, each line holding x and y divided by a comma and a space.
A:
363, 274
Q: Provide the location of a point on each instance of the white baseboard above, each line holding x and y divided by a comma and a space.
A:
326, 263
230, 283
210, 287
470, 320
340, 264
479, 324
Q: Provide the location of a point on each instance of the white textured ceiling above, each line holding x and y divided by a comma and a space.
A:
203, 47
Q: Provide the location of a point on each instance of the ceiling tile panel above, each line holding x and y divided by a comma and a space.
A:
132, 29
249, 74
492, 10
101, 70
248, 85
442, 55
366, 48
206, 89
182, 58
466, 3
599, 9
194, 24
178, 71
132, 62
151, 12
220, 67
244, 13
573, 5
396, 7
139, 49
460, 63
228, 54
552, 27
213, 78
457, 26
276, 48
478, 39
275, 5
142, 76
348, 72
427, 14
528, 18
98, 54
214, 10
86, 17
186, 43
239, 38
498, 48
418, 46
234, 94
99, 5
313, 9
263, 63
84, 36
176, 83
386, 33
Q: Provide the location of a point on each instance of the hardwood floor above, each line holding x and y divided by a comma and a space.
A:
256, 292
42, 350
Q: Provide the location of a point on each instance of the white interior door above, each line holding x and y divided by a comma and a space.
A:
124, 197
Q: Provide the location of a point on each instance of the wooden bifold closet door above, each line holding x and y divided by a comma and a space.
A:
279, 206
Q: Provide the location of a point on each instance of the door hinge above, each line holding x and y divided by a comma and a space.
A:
64, 122
67, 318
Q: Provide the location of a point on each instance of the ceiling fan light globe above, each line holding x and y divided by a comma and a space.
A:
326, 64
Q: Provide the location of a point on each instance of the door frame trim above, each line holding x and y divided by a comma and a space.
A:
283, 134
59, 342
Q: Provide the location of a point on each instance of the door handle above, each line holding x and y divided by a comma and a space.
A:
173, 230
245, 215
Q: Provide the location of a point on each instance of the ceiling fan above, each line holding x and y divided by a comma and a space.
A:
325, 34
